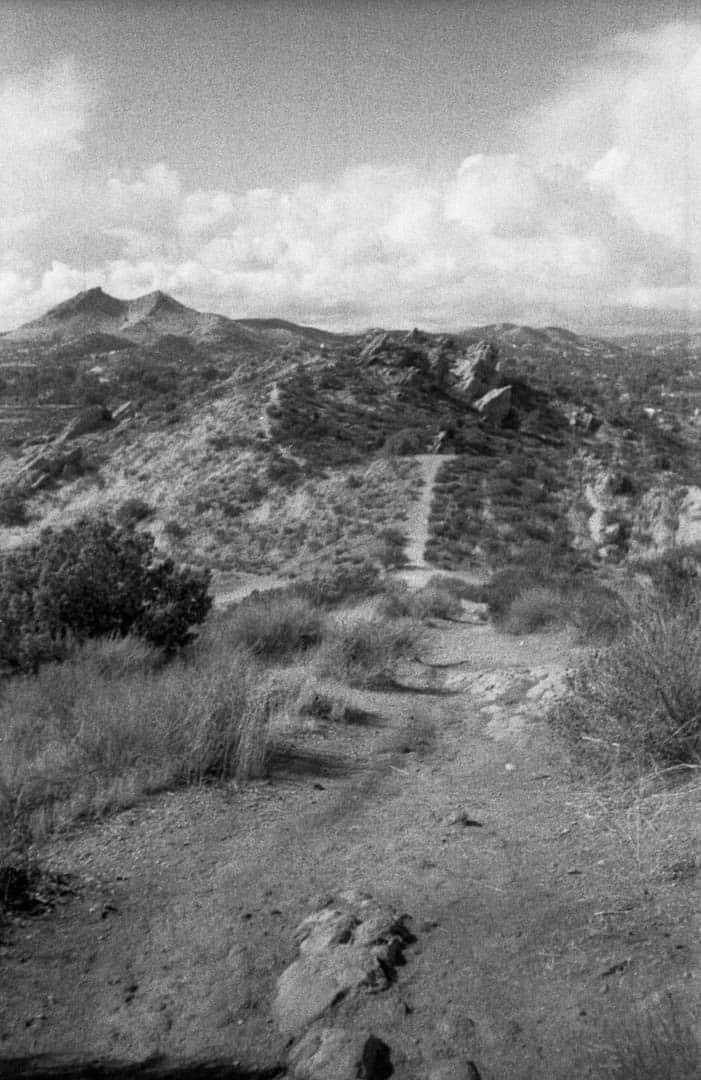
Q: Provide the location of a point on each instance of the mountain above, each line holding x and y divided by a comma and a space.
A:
93, 314
141, 321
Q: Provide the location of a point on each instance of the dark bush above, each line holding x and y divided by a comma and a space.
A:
89, 580
675, 574
133, 510
13, 510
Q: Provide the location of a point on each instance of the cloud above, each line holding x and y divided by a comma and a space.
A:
596, 207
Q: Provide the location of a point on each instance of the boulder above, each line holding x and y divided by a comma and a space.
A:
324, 1052
374, 346
43, 480
476, 372
495, 405
90, 419
121, 413
349, 944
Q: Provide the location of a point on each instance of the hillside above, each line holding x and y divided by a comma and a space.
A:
414, 802
259, 446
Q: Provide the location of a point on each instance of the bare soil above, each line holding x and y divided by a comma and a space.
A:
544, 916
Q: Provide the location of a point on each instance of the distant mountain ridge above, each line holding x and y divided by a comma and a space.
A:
93, 315
141, 321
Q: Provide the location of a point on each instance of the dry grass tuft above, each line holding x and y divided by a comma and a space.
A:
363, 652
637, 704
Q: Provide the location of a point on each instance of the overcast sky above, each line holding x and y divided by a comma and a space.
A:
423, 162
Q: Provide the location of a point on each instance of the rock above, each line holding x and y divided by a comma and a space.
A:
495, 406
374, 346
121, 413
42, 481
476, 372
613, 534
461, 817
90, 419
324, 1052
376, 1060
350, 943
59, 462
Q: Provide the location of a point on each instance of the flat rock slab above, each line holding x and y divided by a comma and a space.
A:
351, 943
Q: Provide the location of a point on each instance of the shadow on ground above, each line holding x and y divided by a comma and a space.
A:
47, 1068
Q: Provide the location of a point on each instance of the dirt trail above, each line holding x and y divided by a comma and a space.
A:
418, 522
533, 924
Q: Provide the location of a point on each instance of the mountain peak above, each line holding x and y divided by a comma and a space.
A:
89, 302
156, 301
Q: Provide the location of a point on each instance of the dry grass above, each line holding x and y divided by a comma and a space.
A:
637, 704
111, 724
363, 652
273, 625
536, 608
437, 599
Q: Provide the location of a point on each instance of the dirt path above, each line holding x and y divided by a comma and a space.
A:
535, 927
418, 521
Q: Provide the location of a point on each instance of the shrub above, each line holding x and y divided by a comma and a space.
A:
175, 530
434, 600
13, 510
675, 574
597, 612
363, 652
93, 579
534, 609
405, 441
638, 703
273, 625
391, 551
132, 511
342, 583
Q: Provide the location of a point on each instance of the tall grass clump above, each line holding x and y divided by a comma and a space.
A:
536, 607
112, 723
437, 599
272, 625
637, 704
363, 652
328, 590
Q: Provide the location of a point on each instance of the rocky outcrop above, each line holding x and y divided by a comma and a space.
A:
50, 464
123, 412
476, 372
351, 946
375, 346
495, 405
89, 419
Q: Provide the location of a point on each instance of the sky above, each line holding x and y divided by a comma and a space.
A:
352, 164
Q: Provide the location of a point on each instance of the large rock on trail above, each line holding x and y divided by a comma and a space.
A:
351, 944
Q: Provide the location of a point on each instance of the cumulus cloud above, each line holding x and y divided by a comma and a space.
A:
596, 207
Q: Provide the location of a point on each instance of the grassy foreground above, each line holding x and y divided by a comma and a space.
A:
116, 721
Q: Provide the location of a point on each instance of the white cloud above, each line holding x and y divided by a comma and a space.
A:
597, 205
